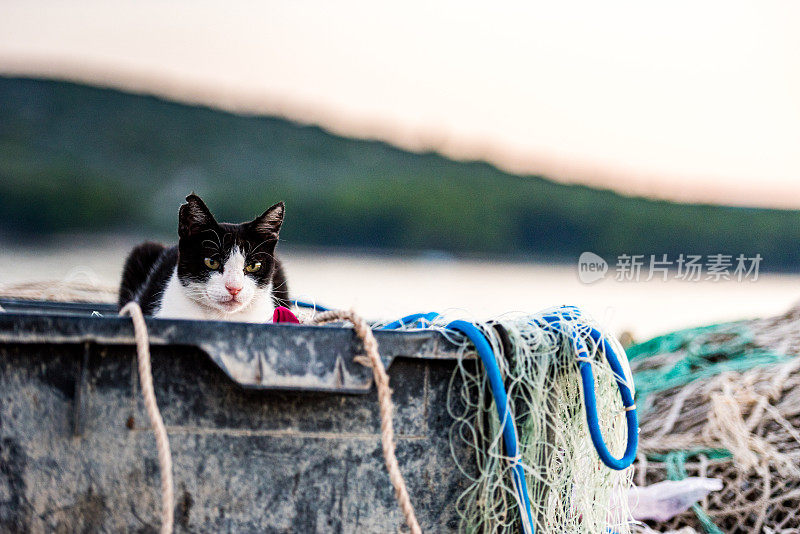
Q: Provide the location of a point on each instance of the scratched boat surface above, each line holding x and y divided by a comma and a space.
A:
273, 428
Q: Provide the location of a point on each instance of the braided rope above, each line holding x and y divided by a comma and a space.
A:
162, 440
373, 360
60, 291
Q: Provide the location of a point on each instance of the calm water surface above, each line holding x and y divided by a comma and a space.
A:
389, 287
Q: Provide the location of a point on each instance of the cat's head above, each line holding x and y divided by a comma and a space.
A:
225, 266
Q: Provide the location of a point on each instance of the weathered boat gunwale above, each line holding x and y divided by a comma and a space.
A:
255, 356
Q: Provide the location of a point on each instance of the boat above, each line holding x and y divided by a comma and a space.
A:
273, 427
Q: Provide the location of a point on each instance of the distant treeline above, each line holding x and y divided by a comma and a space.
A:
77, 158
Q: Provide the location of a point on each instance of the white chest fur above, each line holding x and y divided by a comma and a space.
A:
176, 304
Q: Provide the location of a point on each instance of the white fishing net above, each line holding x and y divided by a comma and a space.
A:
571, 490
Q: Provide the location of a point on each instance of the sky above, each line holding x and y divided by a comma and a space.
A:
689, 101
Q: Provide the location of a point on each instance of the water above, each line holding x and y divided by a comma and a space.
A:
389, 287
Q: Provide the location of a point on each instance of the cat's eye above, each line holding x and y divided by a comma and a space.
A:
211, 263
253, 267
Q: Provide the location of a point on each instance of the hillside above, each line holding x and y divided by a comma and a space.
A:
78, 158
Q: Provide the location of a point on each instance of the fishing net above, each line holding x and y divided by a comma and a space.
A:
644, 529
724, 401
569, 488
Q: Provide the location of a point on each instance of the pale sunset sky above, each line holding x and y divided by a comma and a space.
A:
692, 101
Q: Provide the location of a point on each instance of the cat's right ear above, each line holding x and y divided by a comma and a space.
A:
193, 217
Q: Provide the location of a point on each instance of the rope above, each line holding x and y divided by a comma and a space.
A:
373, 360
60, 291
162, 440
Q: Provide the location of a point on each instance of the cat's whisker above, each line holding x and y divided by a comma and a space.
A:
219, 241
212, 244
279, 286
252, 251
259, 254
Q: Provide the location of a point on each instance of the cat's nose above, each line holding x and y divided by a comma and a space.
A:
233, 290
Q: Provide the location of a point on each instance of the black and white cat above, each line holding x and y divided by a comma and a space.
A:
217, 271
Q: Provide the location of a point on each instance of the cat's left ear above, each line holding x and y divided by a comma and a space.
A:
270, 221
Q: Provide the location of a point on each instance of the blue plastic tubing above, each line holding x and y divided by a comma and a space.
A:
501, 403
310, 305
409, 319
589, 398
553, 323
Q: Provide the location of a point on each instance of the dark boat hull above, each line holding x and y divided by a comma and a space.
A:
76, 453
